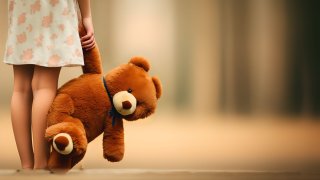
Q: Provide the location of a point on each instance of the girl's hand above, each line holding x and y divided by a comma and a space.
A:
88, 41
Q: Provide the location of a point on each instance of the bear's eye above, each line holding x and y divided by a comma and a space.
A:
129, 90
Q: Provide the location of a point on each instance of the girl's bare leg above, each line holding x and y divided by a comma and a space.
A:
44, 87
21, 103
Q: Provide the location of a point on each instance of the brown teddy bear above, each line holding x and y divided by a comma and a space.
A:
95, 103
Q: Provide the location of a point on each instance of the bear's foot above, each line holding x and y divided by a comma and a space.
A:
67, 138
62, 143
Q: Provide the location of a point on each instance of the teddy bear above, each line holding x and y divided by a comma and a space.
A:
93, 103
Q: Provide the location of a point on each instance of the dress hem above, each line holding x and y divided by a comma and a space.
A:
44, 65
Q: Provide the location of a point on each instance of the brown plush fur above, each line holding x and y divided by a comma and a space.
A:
81, 108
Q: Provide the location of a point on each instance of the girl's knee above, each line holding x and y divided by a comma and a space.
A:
22, 87
45, 79
42, 84
34, 84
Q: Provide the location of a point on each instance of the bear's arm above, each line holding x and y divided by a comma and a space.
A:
113, 140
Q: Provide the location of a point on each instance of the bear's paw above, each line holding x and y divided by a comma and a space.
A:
62, 143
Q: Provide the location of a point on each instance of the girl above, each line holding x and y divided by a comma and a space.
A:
42, 38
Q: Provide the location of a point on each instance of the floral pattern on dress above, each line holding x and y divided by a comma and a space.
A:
44, 33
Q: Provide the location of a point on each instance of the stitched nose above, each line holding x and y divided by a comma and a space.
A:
126, 105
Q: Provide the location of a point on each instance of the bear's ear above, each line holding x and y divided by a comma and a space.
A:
157, 84
140, 62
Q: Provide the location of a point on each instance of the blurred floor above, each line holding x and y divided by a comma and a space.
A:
160, 174
200, 142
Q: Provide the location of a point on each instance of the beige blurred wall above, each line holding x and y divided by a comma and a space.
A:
6, 74
254, 58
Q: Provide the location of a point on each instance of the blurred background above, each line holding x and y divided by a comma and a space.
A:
241, 83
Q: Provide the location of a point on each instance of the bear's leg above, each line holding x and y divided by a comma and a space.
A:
113, 140
65, 133
68, 137
60, 121
69, 144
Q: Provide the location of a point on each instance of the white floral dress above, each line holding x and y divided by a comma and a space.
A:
44, 33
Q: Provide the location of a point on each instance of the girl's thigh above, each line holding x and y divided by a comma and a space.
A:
45, 77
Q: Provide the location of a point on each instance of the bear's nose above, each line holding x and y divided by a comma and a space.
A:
126, 105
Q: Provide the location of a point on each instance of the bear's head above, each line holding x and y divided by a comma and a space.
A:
134, 92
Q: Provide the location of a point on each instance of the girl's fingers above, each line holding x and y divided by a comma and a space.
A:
89, 46
89, 41
86, 37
